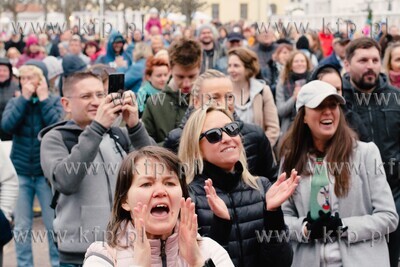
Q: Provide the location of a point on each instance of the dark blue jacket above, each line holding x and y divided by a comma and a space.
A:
331, 60
24, 119
134, 75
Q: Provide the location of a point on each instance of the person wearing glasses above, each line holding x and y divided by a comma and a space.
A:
342, 210
234, 208
81, 157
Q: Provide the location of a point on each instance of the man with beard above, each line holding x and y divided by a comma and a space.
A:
369, 94
211, 49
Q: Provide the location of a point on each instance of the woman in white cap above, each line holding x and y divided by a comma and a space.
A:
342, 208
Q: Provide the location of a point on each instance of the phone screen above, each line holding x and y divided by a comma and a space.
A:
116, 82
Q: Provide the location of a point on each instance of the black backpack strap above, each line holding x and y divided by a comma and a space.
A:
118, 135
70, 138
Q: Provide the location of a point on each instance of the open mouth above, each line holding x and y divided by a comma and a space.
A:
326, 122
159, 210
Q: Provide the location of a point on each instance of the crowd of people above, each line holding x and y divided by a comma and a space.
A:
224, 140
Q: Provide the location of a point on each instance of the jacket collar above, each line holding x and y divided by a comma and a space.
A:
226, 181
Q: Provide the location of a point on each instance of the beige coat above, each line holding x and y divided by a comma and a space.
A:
265, 112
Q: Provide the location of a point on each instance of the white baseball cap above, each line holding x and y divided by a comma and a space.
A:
313, 93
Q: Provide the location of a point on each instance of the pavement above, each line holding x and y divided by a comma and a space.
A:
40, 249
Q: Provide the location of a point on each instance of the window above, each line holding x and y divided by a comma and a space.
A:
273, 8
215, 11
243, 11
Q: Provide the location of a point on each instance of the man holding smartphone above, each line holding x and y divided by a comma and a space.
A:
81, 158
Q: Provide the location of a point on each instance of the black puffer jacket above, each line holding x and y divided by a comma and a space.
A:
260, 160
248, 219
380, 113
7, 91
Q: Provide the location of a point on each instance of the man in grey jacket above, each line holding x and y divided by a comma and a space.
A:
85, 172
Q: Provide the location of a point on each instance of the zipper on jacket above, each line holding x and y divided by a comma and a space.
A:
239, 236
163, 255
371, 121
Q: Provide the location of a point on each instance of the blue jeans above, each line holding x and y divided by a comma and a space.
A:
28, 187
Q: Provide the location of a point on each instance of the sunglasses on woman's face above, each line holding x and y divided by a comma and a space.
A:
215, 135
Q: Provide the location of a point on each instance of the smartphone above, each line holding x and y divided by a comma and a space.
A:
116, 83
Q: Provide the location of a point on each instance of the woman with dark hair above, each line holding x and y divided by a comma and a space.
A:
342, 208
92, 50
330, 74
293, 76
151, 196
233, 206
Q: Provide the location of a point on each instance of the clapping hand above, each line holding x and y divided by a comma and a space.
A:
141, 245
188, 246
281, 190
217, 205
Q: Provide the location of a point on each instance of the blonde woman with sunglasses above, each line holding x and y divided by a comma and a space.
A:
232, 205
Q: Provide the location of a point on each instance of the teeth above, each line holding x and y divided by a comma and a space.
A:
326, 121
161, 206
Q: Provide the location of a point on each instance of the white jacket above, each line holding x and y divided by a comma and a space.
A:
8, 184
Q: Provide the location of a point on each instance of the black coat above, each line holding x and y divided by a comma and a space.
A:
380, 113
260, 160
240, 235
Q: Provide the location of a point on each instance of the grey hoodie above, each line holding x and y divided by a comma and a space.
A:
86, 179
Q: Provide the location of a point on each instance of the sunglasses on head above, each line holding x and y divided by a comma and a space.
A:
215, 135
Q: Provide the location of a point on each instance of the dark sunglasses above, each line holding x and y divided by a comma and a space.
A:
215, 135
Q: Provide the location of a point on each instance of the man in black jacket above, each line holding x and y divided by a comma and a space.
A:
214, 86
378, 105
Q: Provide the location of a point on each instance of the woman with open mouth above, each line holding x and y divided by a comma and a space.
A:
234, 208
342, 208
153, 221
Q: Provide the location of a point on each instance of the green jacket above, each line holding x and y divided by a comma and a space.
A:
164, 112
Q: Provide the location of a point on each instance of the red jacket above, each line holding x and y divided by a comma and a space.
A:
326, 43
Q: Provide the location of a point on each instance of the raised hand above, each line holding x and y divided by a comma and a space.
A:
108, 110
28, 89
141, 245
130, 113
281, 190
42, 90
217, 205
188, 246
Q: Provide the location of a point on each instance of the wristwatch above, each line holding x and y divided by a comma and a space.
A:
209, 263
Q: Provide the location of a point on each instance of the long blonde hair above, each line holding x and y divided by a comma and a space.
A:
189, 149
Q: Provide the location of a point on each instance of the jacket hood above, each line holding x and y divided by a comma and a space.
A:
6, 62
60, 125
256, 86
317, 70
72, 64
111, 39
